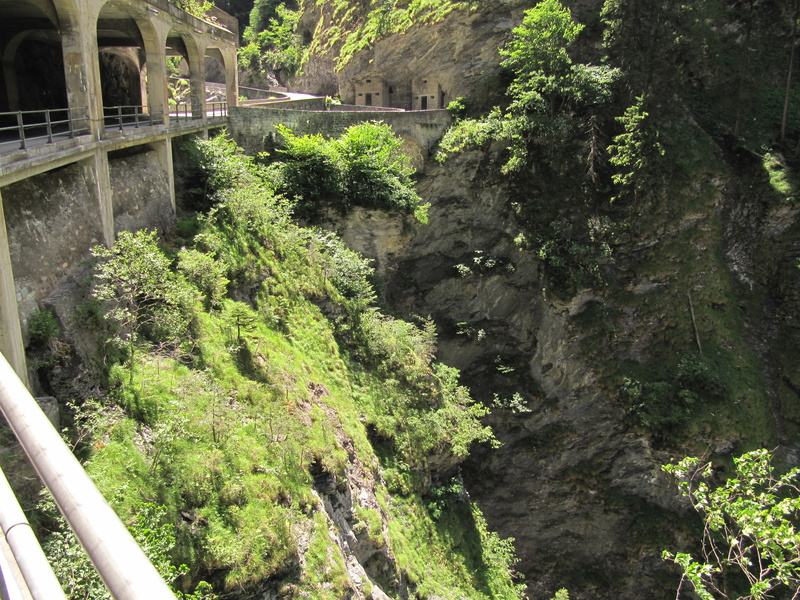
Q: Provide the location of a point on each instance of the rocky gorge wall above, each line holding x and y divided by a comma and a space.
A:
459, 53
578, 481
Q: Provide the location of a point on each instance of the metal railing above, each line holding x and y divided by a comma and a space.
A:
122, 116
119, 560
217, 109
23, 129
30, 560
184, 111
29, 126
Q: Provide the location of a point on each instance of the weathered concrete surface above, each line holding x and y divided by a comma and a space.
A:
141, 194
51, 220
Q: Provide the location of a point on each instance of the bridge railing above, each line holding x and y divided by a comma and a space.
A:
183, 111
30, 126
119, 560
120, 116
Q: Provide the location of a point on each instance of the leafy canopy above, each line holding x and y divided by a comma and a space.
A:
537, 53
365, 167
143, 296
750, 530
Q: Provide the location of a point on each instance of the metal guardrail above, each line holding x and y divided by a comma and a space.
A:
27, 126
39, 578
119, 560
36, 127
120, 116
184, 111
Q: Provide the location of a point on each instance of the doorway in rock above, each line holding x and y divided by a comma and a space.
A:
423, 103
368, 99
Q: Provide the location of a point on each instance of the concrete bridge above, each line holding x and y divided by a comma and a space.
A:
84, 98
86, 133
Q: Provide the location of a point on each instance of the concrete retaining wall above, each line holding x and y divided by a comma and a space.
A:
140, 192
52, 220
253, 128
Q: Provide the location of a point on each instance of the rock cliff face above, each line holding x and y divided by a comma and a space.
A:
711, 272
577, 482
458, 53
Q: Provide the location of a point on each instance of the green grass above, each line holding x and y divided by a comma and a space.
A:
230, 429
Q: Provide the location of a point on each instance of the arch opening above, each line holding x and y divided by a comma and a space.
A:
122, 59
33, 62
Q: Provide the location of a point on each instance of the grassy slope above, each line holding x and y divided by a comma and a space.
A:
234, 429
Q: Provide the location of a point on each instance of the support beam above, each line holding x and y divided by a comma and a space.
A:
231, 77
82, 71
11, 344
102, 189
164, 150
197, 84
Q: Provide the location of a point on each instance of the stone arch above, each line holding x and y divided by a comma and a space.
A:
215, 66
182, 57
33, 71
216, 90
126, 39
121, 76
226, 59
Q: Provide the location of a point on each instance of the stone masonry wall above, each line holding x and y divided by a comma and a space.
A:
140, 192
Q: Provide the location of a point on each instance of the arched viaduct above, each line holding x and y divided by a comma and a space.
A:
84, 99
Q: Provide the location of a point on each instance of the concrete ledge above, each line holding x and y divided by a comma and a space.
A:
21, 164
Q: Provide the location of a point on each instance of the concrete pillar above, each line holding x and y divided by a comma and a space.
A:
231, 77
99, 164
197, 84
164, 150
11, 344
157, 93
82, 71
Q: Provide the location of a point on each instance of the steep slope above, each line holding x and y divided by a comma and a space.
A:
577, 481
458, 51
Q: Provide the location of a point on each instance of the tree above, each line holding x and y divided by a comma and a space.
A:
636, 152
274, 46
144, 297
750, 545
365, 167
549, 90
657, 43
537, 54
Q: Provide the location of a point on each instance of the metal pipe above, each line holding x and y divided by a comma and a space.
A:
36, 571
119, 560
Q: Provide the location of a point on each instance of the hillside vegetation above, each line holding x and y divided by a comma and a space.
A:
261, 409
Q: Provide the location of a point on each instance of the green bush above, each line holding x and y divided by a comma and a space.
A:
363, 167
206, 273
672, 399
43, 326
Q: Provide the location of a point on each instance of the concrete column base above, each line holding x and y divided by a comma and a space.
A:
11, 343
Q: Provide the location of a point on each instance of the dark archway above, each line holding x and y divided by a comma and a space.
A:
121, 54
33, 64
120, 76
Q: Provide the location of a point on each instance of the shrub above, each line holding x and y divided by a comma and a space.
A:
363, 167
43, 326
204, 272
